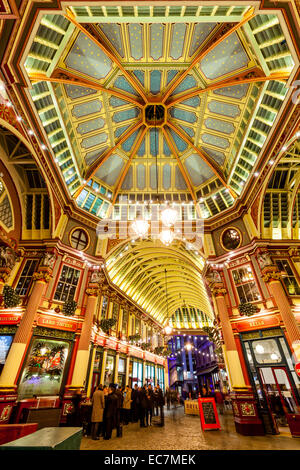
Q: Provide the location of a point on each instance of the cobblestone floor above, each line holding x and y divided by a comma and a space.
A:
183, 432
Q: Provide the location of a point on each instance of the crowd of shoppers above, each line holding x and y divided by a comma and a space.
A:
113, 407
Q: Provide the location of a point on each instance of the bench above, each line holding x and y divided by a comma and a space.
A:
10, 432
47, 439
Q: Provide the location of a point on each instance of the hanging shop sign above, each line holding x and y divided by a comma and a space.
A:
60, 324
257, 323
208, 414
297, 369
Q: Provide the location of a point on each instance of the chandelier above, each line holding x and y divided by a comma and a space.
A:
169, 216
166, 236
140, 227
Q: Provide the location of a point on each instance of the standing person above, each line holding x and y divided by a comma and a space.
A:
142, 406
75, 415
155, 404
111, 409
168, 397
161, 403
219, 397
97, 412
134, 404
127, 404
150, 400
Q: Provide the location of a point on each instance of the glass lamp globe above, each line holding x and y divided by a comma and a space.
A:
168, 330
166, 237
260, 349
140, 227
169, 216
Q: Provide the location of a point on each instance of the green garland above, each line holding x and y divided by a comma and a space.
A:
145, 346
134, 338
10, 297
107, 324
248, 309
69, 307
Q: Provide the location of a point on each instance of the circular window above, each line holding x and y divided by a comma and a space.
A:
231, 239
79, 239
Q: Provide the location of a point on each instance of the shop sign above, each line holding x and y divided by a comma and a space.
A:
57, 323
100, 340
297, 369
136, 352
122, 348
9, 319
257, 323
208, 414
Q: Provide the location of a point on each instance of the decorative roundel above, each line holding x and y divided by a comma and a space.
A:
79, 239
231, 238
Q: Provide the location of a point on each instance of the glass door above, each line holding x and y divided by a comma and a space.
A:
281, 399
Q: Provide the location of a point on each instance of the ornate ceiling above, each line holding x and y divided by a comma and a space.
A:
218, 74
162, 281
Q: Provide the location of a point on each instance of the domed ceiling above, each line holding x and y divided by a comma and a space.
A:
141, 101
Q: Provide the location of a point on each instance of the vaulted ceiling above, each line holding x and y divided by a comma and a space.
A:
218, 73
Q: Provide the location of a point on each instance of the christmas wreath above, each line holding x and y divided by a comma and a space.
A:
107, 324
248, 309
10, 297
69, 307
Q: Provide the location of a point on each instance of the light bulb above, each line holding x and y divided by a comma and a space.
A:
259, 349
169, 216
166, 237
140, 227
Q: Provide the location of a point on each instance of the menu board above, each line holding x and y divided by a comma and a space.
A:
5, 342
208, 414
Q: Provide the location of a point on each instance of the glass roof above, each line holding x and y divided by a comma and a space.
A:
218, 79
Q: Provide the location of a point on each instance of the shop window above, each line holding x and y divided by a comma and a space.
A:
266, 351
245, 284
288, 277
79, 239
44, 368
137, 326
67, 284
137, 374
122, 372
115, 316
5, 344
109, 370
25, 279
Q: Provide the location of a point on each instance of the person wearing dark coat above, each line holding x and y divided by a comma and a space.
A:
161, 402
150, 404
111, 410
135, 404
143, 402
119, 411
74, 418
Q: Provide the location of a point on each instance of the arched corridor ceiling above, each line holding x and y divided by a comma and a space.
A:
138, 269
219, 72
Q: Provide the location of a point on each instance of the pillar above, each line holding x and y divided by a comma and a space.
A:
166, 370
91, 372
127, 370
155, 373
245, 412
116, 368
144, 372
231, 355
22, 337
103, 366
272, 277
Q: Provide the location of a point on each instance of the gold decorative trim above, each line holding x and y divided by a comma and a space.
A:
271, 276
240, 234
41, 276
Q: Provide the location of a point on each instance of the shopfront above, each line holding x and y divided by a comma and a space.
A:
135, 373
150, 374
272, 372
161, 377
46, 365
122, 371
97, 366
110, 364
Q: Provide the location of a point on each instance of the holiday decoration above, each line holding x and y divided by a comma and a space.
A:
106, 325
134, 338
69, 307
46, 358
248, 309
145, 346
10, 297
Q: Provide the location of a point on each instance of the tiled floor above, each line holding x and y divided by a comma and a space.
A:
183, 432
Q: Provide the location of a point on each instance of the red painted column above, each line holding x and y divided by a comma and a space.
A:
272, 277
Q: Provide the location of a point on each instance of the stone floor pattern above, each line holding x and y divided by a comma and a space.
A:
183, 432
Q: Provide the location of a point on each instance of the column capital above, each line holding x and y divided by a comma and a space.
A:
4, 274
92, 290
42, 274
218, 289
270, 273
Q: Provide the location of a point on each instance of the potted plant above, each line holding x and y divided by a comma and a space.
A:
248, 309
69, 307
10, 297
107, 324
